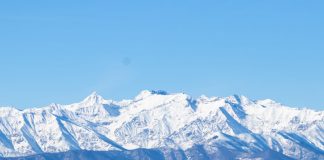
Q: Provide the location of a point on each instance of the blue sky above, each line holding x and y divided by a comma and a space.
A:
61, 51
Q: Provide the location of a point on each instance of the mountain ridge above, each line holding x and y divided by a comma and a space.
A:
157, 119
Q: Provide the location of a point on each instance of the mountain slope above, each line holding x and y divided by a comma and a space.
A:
174, 125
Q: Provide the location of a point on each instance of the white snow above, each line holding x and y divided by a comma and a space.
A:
155, 119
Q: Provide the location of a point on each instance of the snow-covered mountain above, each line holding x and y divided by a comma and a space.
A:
175, 125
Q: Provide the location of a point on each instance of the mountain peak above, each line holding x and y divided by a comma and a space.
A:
93, 98
268, 102
160, 120
238, 99
146, 93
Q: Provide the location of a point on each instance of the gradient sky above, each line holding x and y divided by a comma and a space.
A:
61, 51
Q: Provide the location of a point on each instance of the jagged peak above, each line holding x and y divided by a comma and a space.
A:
94, 123
268, 102
146, 93
9, 108
205, 98
238, 99
93, 98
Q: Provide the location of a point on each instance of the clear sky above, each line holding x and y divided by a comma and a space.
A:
61, 51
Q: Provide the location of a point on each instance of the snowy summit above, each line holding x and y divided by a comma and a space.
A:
174, 125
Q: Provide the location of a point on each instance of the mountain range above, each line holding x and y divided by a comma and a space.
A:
159, 125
